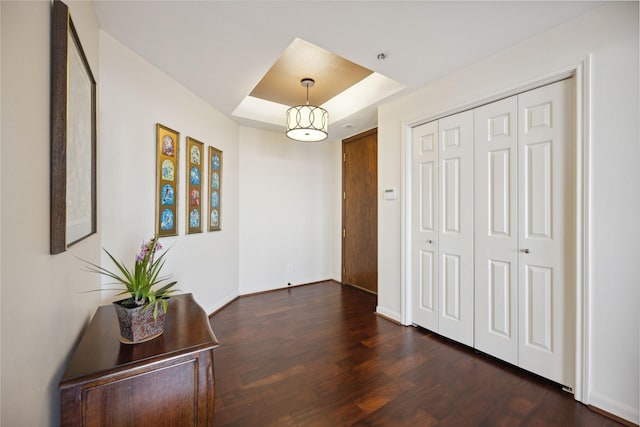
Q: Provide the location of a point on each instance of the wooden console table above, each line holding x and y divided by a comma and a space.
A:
167, 381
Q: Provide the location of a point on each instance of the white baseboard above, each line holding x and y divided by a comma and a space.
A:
614, 407
388, 313
219, 304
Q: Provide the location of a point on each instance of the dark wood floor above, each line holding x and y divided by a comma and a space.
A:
316, 355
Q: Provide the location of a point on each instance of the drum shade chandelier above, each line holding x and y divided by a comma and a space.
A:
307, 123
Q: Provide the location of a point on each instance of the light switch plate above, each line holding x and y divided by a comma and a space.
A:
390, 194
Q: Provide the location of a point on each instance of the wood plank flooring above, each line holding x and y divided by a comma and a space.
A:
317, 355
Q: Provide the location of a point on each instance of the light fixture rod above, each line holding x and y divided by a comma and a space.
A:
307, 82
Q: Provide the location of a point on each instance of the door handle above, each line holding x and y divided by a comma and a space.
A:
429, 241
526, 251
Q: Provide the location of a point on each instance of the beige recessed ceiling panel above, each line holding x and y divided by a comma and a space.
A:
332, 74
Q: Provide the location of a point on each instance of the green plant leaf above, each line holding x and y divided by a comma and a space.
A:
139, 282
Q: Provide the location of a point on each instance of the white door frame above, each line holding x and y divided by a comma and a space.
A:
581, 72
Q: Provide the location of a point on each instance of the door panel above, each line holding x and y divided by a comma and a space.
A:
546, 260
427, 196
499, 197
451, 286
427, 289
537, 175
360, 211
496, 239
451, 195
500, 298
455, 236
424, 235
538, 307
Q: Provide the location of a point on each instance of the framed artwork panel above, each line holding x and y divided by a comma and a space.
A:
195, 158
73, 136
215, 189
167, 148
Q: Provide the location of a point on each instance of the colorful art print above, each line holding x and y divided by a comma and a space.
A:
194, 176
167, 149
168, 172
195, 155
215, 181
194, 219
194, 199
167, 197
215, 189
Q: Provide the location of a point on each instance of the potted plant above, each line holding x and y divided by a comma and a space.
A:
141, 315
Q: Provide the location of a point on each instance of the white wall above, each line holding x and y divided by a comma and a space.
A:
134, 96
287, 210
610, 34
297, 224
43, 309
288, 192
0, 216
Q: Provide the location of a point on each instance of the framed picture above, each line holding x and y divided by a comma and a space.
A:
215, 189
167, 144
73, 136
195, 157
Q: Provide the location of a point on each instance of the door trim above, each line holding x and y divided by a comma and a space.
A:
581, 71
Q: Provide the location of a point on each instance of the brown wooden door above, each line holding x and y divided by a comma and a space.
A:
360, 211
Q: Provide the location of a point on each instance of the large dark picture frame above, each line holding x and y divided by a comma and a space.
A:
73, 135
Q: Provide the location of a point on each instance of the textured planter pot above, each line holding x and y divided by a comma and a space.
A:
137, 324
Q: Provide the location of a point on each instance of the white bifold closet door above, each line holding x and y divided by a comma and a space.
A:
546, 232
496, 224
455, 230
493, 229
442, 226
524, 248
424, 219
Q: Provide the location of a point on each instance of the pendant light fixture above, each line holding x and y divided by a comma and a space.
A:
307, 123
